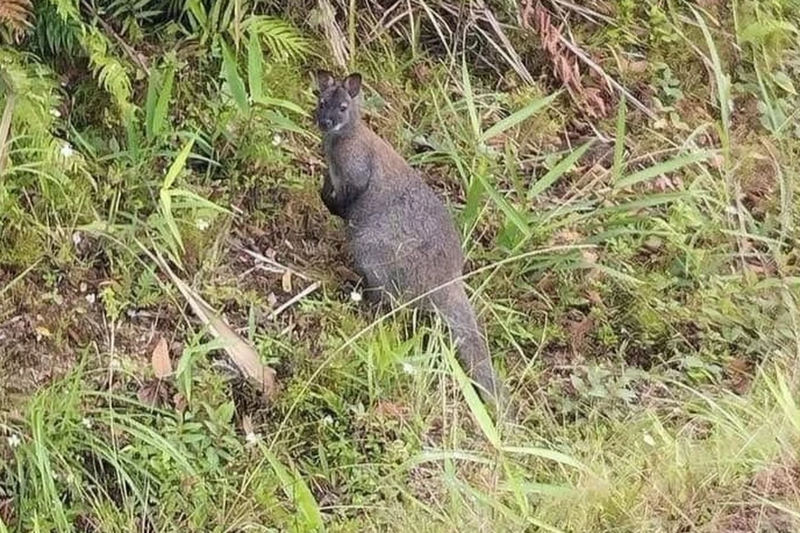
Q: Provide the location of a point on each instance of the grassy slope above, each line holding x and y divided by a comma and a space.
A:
646, 321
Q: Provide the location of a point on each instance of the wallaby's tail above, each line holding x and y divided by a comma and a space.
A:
453, 305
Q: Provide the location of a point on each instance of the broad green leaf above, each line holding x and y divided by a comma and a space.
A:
295, 488
255, 62
178, 165
234, 81
162, 106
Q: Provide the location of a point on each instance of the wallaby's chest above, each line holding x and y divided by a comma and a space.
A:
349, 164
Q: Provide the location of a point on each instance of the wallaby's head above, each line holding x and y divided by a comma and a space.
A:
337, 108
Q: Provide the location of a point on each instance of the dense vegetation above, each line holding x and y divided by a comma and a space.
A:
623, 175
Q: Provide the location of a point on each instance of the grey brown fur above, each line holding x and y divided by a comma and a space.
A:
401, 236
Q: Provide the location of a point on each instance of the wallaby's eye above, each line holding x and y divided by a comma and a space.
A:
343, 107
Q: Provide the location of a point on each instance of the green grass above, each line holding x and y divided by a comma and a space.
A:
638, 278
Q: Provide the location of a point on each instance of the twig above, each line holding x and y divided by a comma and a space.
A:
294, 299
282, 268
512, 56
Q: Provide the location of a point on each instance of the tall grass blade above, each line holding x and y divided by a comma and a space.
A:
555, 173
517, 117
662, 168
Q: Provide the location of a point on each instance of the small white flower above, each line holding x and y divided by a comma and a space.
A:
251, 438
14, 441
91, 298
276, 139
649, 440
77, 238
67, 151
356, 296
86, 423
56, 113
202, 224
328, 420
408, 368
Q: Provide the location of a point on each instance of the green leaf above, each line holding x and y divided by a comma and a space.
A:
178, 165
469, 99
165, 93
664, 167
783, 81
474, 402
295, 488
555, 173
153, 85
279, 102
232, 78
255, 62
166, 212
511, 213
517, 117
197, 200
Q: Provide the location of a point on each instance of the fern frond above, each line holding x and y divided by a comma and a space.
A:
109, 70
16, 14
282, 39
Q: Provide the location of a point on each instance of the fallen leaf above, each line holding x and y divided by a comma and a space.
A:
162, 365
286, 281
237, 348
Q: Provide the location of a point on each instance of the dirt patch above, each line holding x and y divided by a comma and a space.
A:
48, 324
779, 485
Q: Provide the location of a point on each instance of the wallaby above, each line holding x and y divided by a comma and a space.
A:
399, 233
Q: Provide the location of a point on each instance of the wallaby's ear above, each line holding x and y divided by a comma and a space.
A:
352, 84
324, 80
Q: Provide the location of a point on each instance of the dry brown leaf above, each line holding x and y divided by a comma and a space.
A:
162, 365
286, 281
237, 348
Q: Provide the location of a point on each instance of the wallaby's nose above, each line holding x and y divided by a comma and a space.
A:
326, 123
